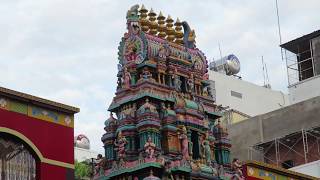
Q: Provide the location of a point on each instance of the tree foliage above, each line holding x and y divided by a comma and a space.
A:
81, 170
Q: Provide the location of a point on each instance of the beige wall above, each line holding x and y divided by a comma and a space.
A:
255, 99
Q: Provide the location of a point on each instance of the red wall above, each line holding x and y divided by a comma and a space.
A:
54, 141
51, 172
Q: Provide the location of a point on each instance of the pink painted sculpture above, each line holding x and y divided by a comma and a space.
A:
127, 78
149, 148
120, 144
184, 143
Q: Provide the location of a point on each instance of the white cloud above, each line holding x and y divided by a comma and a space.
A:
67, 50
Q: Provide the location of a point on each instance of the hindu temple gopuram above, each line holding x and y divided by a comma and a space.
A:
163, 120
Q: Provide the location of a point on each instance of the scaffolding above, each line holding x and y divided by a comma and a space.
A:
302, 57
281, 150
298, 68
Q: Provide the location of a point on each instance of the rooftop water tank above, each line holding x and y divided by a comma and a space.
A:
229, 65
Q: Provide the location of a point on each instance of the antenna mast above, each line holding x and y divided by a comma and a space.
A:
220, 50
264, 77
279, 29
267, 75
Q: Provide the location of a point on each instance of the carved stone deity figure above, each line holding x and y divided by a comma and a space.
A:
177, 81
133, 110
163, 109
212, 146
184, 143
99, 164
149, 148
207, 91
190, 83
190, 145
126, 78
210, 91
119, 83
236, 166
120, 144
130, 53
164, 51
145, 74
206, 150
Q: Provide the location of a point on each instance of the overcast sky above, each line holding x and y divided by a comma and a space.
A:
66, 50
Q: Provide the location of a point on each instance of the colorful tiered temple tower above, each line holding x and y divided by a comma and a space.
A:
165, 116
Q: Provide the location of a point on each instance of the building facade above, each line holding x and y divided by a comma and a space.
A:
36, 137
286, 138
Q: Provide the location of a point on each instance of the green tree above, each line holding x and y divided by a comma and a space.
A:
81, 170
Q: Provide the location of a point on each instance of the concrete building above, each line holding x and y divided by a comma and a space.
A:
303, 66
288, 137
243, 96
285, 137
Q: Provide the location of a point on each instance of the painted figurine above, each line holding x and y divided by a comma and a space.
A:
99, 164
190, 83
131, 52
236, 166
164, 51
149, 148
190, 145
184, 143
207, 91
146, 74
126, 78
120, 143
177, 81
206, 151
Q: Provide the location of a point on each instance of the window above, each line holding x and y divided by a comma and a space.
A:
195, 143
236, 94
183, 84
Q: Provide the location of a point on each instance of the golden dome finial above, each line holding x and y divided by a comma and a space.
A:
178, 21
153, 24
169, 19
161, 26
143, 19
152, 13
178, 33
143, 9
161, 15
170, 31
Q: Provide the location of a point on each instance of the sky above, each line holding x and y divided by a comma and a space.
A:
66, 50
